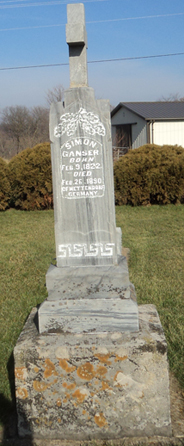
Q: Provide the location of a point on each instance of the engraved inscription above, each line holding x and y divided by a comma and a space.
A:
87, 121
86, 250
81, 167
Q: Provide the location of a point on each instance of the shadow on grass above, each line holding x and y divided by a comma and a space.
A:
8, 414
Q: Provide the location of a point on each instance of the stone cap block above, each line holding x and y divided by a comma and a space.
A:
87, 315
75, 13
75, 28
76, 34
89, 282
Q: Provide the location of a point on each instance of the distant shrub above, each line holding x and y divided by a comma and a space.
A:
5, 190
31, 178
150, 174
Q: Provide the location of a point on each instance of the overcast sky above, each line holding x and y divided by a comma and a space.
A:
32, 32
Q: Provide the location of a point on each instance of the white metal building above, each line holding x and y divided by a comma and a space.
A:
138, 123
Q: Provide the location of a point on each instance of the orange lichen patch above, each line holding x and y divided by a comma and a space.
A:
44, 420
21, 393
115, 376
100, 420
92, 393
67, 397
58, 402
103, 358
65, 366
86, 371
105, 386
79, 396
36, 369
69, 386
40, 386
84, 412
21, 373
49, 369
115, 379
101, 370
59, 420
120, 358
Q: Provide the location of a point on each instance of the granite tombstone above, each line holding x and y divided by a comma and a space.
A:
80, 134
89, 289
95, 369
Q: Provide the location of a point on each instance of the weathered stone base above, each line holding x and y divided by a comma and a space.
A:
93, 386
90, 299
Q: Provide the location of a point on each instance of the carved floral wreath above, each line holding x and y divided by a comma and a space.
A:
88, 122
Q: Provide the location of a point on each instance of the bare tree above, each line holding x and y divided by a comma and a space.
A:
4, 150
21, 127
40, 123
172, 98
55, 95
16, 122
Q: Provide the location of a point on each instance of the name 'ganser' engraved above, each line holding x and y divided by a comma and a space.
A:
81, 167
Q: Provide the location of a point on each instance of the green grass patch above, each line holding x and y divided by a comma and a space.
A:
27, 249
155, 236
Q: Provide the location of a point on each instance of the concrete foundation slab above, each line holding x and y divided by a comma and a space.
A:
86, 386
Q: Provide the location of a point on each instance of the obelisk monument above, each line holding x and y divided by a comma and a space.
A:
92, 368
91, 277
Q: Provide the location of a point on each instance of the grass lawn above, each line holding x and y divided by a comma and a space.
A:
155, 236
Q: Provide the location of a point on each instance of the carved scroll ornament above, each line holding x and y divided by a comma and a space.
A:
88, 121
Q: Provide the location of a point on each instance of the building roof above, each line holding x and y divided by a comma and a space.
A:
154, 110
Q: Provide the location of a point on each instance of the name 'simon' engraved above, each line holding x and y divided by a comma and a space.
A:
85, 250
82, 168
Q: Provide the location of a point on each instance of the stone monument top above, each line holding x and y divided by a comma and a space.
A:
76, 38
